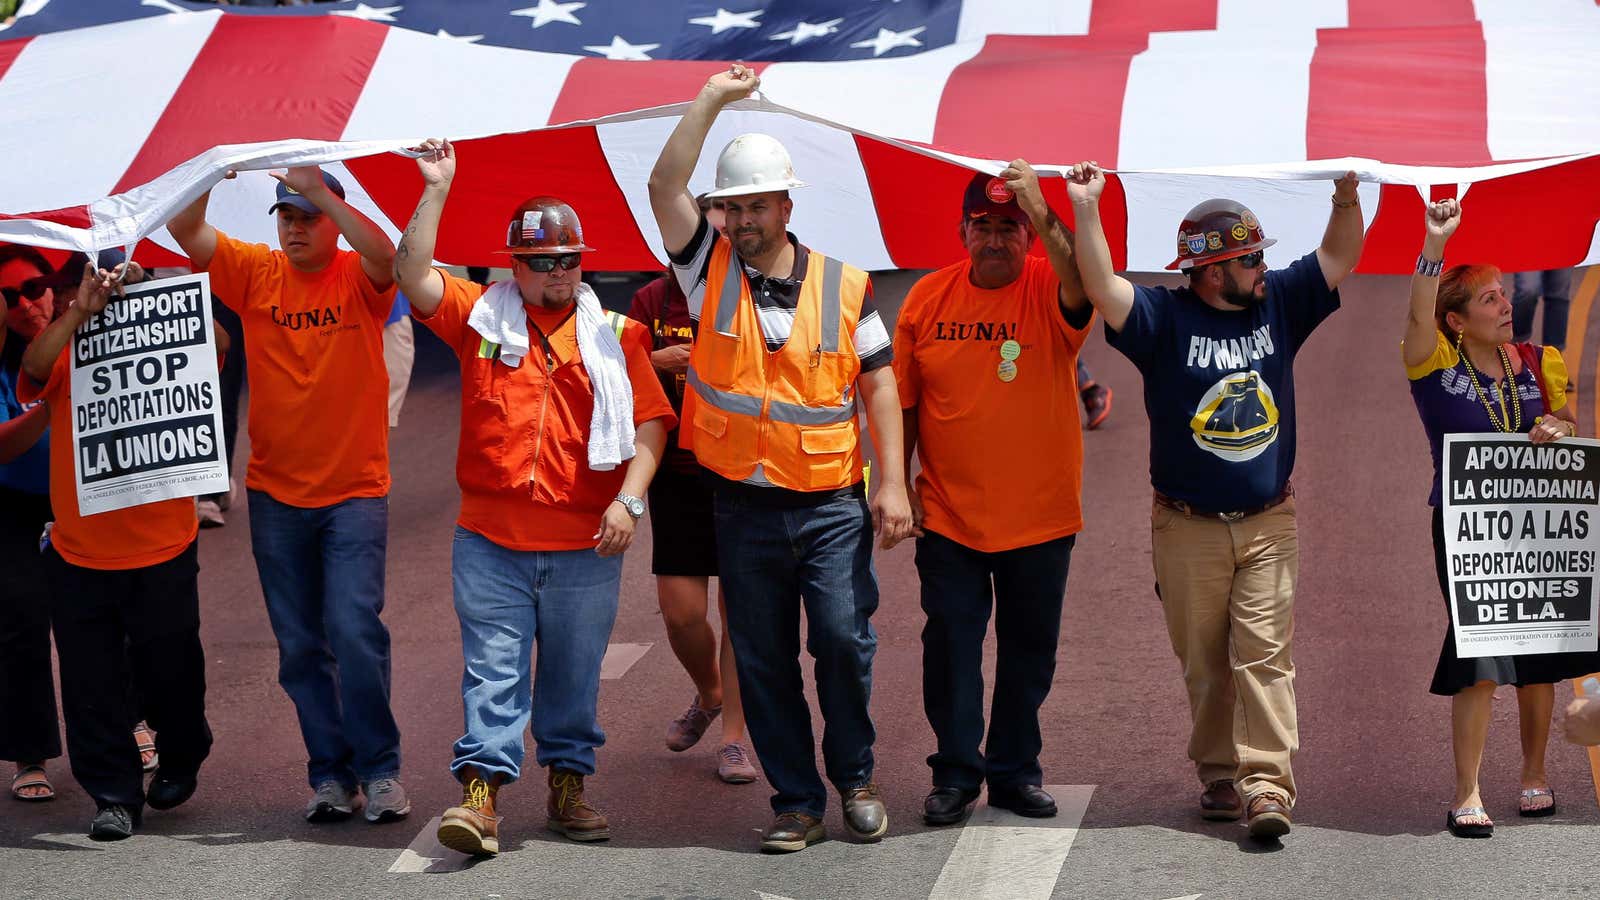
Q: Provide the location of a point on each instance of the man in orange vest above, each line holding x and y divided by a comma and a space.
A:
786, 339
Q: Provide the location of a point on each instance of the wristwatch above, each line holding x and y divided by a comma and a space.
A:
633, 505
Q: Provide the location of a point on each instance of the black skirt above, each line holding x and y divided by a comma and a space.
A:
1454, 674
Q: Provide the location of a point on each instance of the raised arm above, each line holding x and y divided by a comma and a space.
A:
1053, 234
1442, 219
1341, 243
1110, 293
677, 214
94, 292
194, 234
364, 235
413, 260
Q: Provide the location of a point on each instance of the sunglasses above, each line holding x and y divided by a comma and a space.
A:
32, 289
1252, 259
548, 263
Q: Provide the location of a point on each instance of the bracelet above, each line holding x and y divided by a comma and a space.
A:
1355, 201
1429, 268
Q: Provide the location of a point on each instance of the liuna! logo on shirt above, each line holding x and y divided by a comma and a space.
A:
974, 331
311, 318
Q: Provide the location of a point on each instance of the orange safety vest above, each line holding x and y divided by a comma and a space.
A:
790, 412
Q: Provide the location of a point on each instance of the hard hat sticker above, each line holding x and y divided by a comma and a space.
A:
1197, 243
1214, 240
1249, 219
1239, 232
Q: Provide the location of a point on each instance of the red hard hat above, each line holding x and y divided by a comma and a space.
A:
1218, 230
544, 225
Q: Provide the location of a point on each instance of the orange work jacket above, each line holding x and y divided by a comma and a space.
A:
791, 412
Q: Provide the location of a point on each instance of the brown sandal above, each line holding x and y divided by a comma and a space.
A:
32, 777
146, 740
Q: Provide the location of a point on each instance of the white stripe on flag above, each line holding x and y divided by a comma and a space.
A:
983, 17
117, 77
1293, 212
841, 221
425, 85
1544, 87
891, 97
1257, 79
1280, 17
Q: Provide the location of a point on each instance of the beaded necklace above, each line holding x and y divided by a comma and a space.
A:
1483, 396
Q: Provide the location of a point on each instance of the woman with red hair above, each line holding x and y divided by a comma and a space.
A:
1468, 376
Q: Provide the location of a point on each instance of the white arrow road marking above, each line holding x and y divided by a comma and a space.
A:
620, 658
1003, 855
426, 854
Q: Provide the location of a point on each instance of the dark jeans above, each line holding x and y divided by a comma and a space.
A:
29, 730
1555, 286
322, 576
772, 560
113, 627
1028, 586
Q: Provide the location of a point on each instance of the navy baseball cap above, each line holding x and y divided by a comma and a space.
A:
71, 271
987, 195
287, 195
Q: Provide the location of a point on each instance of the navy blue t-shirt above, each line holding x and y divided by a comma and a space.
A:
1219, 385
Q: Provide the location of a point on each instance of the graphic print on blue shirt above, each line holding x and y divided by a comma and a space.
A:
1219, 385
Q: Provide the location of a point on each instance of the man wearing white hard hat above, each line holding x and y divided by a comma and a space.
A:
785, 339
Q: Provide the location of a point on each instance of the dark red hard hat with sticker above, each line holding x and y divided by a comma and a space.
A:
544, 225
1218, 230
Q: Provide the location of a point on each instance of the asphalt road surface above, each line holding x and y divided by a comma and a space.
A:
1374, 769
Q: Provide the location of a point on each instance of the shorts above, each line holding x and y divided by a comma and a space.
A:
683, 534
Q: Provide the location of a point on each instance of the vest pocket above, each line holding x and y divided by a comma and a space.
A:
709, 422
828, 450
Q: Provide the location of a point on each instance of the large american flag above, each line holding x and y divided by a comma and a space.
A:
885, 106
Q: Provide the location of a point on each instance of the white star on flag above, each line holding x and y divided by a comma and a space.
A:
551, 11
805, 30
369, 13
621, 49
465, 38
724, 20
888, 40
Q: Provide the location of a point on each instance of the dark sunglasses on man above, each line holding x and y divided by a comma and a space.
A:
32, 289
548, 263
1252, 259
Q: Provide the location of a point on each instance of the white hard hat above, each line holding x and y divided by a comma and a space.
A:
754, 164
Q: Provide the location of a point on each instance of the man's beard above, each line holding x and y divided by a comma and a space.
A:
1244, 299
752, 245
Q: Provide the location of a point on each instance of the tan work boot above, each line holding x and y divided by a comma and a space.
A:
473, 828
570, 814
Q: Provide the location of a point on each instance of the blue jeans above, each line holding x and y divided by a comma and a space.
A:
773, 559
322, 574
1025, 587
508, 600
1555, 286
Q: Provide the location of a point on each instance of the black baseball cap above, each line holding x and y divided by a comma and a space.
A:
987, 195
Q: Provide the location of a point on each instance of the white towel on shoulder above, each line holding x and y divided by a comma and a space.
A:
499, 318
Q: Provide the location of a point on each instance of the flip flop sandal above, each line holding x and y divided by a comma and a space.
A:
1468, 829
32, 777
148, 759
1525, 805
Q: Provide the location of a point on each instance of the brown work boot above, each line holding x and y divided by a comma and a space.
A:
570, 814
792, 831
473, 828
1220, 802
1269, 816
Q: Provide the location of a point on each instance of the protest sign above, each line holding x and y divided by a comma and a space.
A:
1520, 533
146, 411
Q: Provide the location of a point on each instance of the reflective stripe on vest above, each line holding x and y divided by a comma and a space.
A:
617, 321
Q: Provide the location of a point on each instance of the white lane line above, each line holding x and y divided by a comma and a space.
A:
1003, 855
426, 854
620, 658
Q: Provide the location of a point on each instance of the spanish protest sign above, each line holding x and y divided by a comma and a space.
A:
1521, 531
146, 412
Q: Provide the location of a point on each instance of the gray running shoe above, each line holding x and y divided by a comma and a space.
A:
112, 823
386, 800
333, 802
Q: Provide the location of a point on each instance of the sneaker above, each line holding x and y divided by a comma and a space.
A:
687, 729
333, 802
112, 823
210, 514
1096, 404
735, 767
386, 800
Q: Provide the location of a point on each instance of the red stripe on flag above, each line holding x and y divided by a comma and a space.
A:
496, 175
1395, 235
1542, 219
71, 216
9, 51
1055, 98
1411, 13
262, 78
1145, 16
1402, 95
600, 87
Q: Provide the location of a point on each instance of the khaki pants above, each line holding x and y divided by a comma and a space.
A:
1228, 592
399, 352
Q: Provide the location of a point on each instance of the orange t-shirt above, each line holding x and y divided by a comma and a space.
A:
319, 392
130, 538
1002, 461
523, 462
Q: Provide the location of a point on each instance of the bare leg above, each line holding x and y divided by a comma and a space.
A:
1469, 728
732, 711
683, 609
1534, 706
